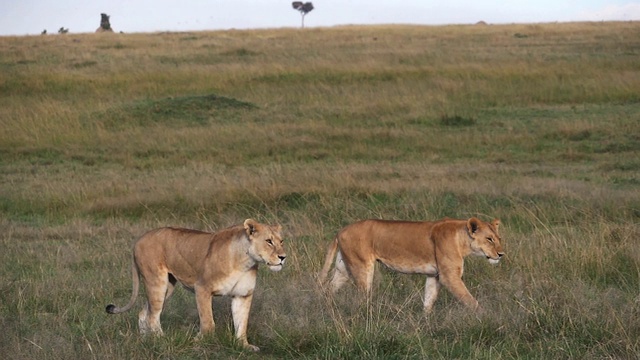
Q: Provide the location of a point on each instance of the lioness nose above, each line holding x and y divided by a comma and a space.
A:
500, 254
282, 257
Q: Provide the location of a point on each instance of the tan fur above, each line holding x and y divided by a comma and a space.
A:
436, 249
210, 264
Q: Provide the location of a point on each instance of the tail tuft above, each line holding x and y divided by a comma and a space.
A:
111, 309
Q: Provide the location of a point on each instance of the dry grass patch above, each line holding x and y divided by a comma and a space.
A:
106, 137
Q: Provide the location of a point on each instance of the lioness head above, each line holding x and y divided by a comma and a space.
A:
266, 244
485, 239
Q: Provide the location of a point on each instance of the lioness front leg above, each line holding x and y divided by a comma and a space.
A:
205, 310
452, 280
240, 306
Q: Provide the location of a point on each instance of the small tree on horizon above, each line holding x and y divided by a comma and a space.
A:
304, 8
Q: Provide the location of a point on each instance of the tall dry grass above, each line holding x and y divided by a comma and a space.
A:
106, 136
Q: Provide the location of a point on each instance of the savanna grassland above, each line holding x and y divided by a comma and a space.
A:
104, 136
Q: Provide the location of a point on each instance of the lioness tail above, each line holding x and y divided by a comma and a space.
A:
331, 253
112, 309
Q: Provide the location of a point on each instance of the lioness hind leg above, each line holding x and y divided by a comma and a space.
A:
171, 286
340, 274
362, 273
143, 324
149, 317
431, 288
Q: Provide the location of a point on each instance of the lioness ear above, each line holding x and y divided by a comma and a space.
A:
250, 226
472, 225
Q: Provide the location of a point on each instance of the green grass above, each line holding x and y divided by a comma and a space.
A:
107, 136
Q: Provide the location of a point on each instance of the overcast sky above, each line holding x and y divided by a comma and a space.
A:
30, 17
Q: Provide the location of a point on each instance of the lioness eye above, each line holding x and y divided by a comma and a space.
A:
490, 240
269, 242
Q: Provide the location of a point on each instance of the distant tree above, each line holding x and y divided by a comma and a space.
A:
105, 25
44, 32
304, 8
62, 30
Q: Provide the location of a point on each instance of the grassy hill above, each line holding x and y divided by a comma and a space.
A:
105, 136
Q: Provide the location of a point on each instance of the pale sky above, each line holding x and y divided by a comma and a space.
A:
30, 17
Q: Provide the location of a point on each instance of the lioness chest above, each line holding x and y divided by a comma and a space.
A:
235, 284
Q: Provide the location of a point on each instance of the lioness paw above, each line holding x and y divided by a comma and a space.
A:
252, 348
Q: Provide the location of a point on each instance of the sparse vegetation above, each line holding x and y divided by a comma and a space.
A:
105, 137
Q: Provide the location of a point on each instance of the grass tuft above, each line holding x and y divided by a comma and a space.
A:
456, 120
198, 110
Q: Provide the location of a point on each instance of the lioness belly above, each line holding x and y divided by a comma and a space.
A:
412, 268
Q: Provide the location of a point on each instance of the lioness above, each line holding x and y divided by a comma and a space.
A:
435, 249
222, 263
